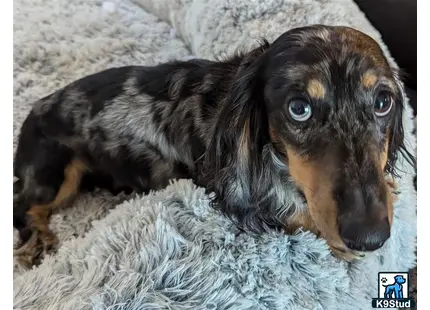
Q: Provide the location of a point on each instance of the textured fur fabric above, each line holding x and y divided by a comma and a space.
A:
172, 250
169, 249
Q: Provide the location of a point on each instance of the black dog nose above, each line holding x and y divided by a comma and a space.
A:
364, 237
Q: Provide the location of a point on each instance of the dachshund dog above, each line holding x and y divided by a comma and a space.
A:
300, 133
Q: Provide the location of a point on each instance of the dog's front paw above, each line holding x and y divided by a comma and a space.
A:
346, 254
50, 243
37, 247
27, 252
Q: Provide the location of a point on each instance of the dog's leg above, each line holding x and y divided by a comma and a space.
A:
399, 292
43, 240
39, 214
27, 254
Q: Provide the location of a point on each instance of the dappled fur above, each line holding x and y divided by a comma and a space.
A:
218, 122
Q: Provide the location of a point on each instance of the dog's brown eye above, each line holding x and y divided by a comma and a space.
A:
299, 110
383, 104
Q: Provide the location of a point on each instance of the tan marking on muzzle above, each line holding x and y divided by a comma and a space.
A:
393, 190
391, 198
316, 89
301, 220
389, 190
315, 179
384, 155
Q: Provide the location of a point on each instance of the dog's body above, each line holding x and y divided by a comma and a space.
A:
220, 123
395, 290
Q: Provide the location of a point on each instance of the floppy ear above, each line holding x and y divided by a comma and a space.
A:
242, 116
234, 156
397, 139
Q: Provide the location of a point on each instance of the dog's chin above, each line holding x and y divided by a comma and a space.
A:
341, 252
305, 222
347, 254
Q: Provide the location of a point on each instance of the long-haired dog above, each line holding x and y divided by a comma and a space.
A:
303, 132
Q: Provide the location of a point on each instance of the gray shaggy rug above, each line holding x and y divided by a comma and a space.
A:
170, 250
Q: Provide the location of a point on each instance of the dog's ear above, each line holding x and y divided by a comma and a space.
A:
397, 145
242, 115
233, 158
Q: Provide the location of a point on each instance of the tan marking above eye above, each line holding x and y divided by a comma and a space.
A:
316, 89
369, 79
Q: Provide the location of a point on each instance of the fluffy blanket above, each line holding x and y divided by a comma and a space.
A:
169, 249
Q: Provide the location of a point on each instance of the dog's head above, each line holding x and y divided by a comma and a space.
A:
334, 113
399, 279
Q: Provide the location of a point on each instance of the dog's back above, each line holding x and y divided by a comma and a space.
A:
130, 127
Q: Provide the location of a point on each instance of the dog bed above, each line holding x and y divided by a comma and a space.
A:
169, 249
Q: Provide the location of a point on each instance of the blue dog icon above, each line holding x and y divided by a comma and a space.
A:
396, 288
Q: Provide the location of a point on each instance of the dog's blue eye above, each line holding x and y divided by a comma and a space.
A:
300, 110
383, 104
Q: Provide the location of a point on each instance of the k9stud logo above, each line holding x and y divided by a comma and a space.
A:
393, 291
